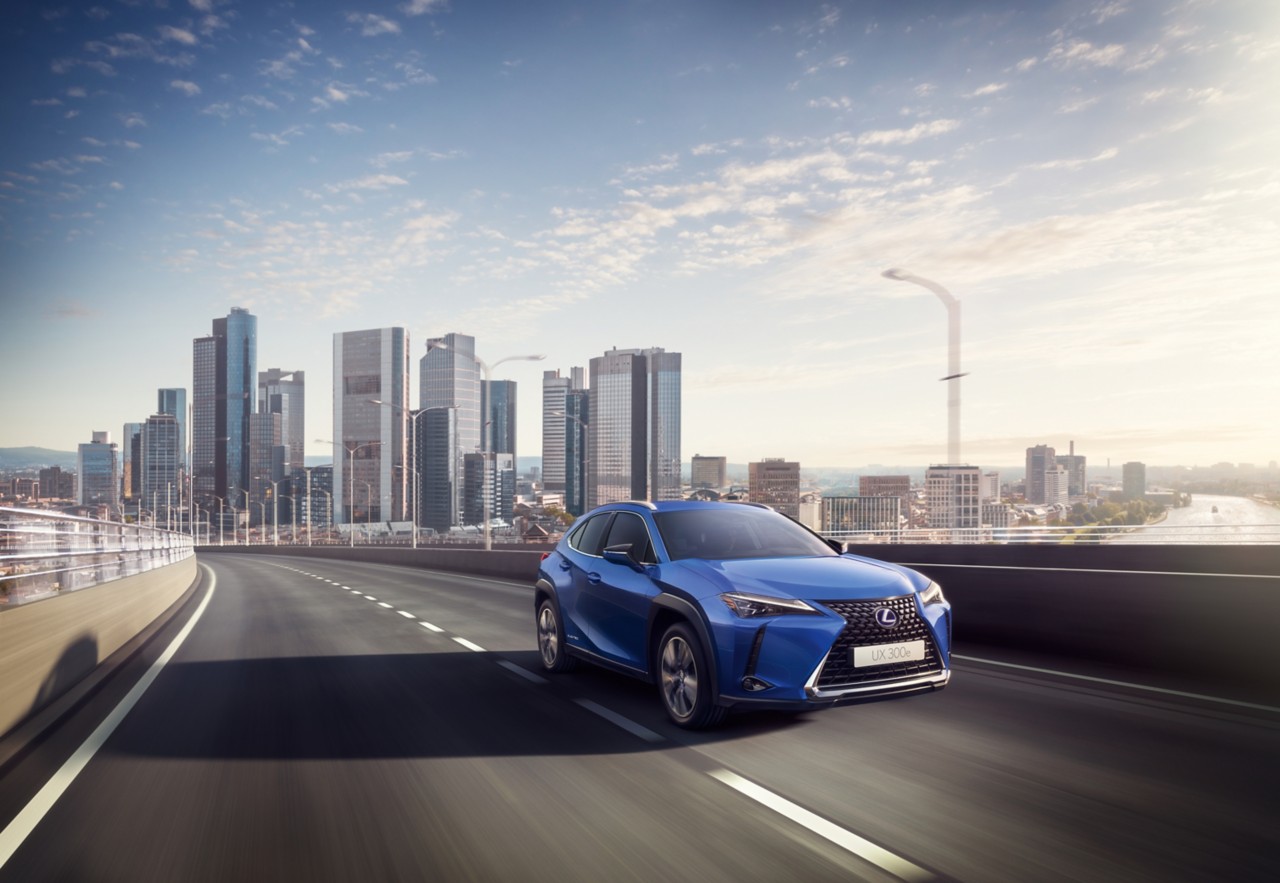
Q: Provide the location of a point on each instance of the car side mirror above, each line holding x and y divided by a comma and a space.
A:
622, 554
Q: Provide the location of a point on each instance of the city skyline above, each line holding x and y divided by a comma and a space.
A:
1094, 183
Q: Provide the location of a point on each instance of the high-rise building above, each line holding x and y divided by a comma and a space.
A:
500, 411
881, 515
371, 463
174, 401
1055, 486
500, 493
1135, 481
952, 497
161, 467
1040, 460
56, 484
577, 419
223, 394
710, 473
887, 486
268, 468
438, 480
285, 393
131, 462
634, 434
449, 377
775, 482
97, 481
1077, 480
555, 388
990, 487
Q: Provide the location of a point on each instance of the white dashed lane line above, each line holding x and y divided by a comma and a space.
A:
618, 720
406, 614
469, 645
522, 672
386, 605
431, 627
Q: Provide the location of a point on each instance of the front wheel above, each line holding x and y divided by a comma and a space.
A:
684, 680
551, 647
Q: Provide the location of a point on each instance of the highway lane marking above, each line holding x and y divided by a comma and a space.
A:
431, 627
468, 644
406, 614
859, 846
371, 598
1108, 681
524, 673
1096, 570
386, 605
618, 720
17, 831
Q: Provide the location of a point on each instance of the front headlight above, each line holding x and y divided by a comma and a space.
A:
932, 595
748, 606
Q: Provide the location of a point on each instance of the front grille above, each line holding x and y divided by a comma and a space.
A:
861, 630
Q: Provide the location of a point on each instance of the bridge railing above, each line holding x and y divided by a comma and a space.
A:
1092, 534
43, 554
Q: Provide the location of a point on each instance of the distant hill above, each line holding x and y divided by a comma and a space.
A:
16, 459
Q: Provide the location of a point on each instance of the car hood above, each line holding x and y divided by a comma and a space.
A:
818, 579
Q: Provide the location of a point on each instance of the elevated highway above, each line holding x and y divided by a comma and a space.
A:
329, 719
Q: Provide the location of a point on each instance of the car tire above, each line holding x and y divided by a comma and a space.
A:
551, 646
684, 680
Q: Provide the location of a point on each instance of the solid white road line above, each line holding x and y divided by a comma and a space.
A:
25, 822
470, 646
859, 846
1144, 687
618, 720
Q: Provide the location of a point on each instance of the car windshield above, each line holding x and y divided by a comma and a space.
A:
745, 532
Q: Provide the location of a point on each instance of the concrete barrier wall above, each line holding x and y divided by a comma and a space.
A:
514, 564
47, 646
1205, 614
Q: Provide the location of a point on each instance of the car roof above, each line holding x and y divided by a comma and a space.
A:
674, 505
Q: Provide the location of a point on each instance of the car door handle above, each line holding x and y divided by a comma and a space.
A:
593, 578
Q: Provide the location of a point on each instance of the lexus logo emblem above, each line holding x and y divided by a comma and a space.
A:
886, 618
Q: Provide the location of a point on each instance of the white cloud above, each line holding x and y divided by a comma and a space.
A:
1026, 64
345, 128
177, 35
372, 25
421, 7
369, 182
132, 120
1075, 53
908, 136
989, 89
1073, 164
382, 160
186, 87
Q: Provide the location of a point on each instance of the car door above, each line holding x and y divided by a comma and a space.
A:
617, 597
581, 557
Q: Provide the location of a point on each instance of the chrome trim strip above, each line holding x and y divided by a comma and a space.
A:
889, 686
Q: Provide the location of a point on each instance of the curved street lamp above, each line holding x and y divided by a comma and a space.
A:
487, 369
953, 355
351, 474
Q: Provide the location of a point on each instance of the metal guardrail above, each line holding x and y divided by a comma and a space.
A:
43, 553
1093, 534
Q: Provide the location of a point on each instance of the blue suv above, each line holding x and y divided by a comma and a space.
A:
731, 605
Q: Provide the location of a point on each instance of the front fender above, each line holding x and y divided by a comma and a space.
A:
667, 602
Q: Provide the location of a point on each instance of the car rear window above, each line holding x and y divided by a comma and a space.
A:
736, 532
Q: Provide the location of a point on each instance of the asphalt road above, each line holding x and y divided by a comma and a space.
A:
329, 720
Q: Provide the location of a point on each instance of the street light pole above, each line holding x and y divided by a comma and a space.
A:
953, 356
351, 475
586, 455
248, 516
413, 470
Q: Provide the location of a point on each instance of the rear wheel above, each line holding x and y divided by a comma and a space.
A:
551, 646
684, 680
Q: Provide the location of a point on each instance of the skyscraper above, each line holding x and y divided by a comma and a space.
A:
775, 482
634, 433
223, 393
577, 419
370, 459
438, 479
174, 401
953, 496
708, 472
1077, 482
554, 390
131, 462
1040, 460
97, 481
161, 466
284, 393
449, 377
1135, 481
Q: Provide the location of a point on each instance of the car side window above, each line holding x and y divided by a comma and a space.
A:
629, 529
590, 539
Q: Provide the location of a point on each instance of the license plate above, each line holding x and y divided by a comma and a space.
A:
888, 654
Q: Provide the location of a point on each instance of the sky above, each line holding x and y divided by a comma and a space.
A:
1096, 182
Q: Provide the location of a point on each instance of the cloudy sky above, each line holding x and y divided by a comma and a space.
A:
1096, 182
